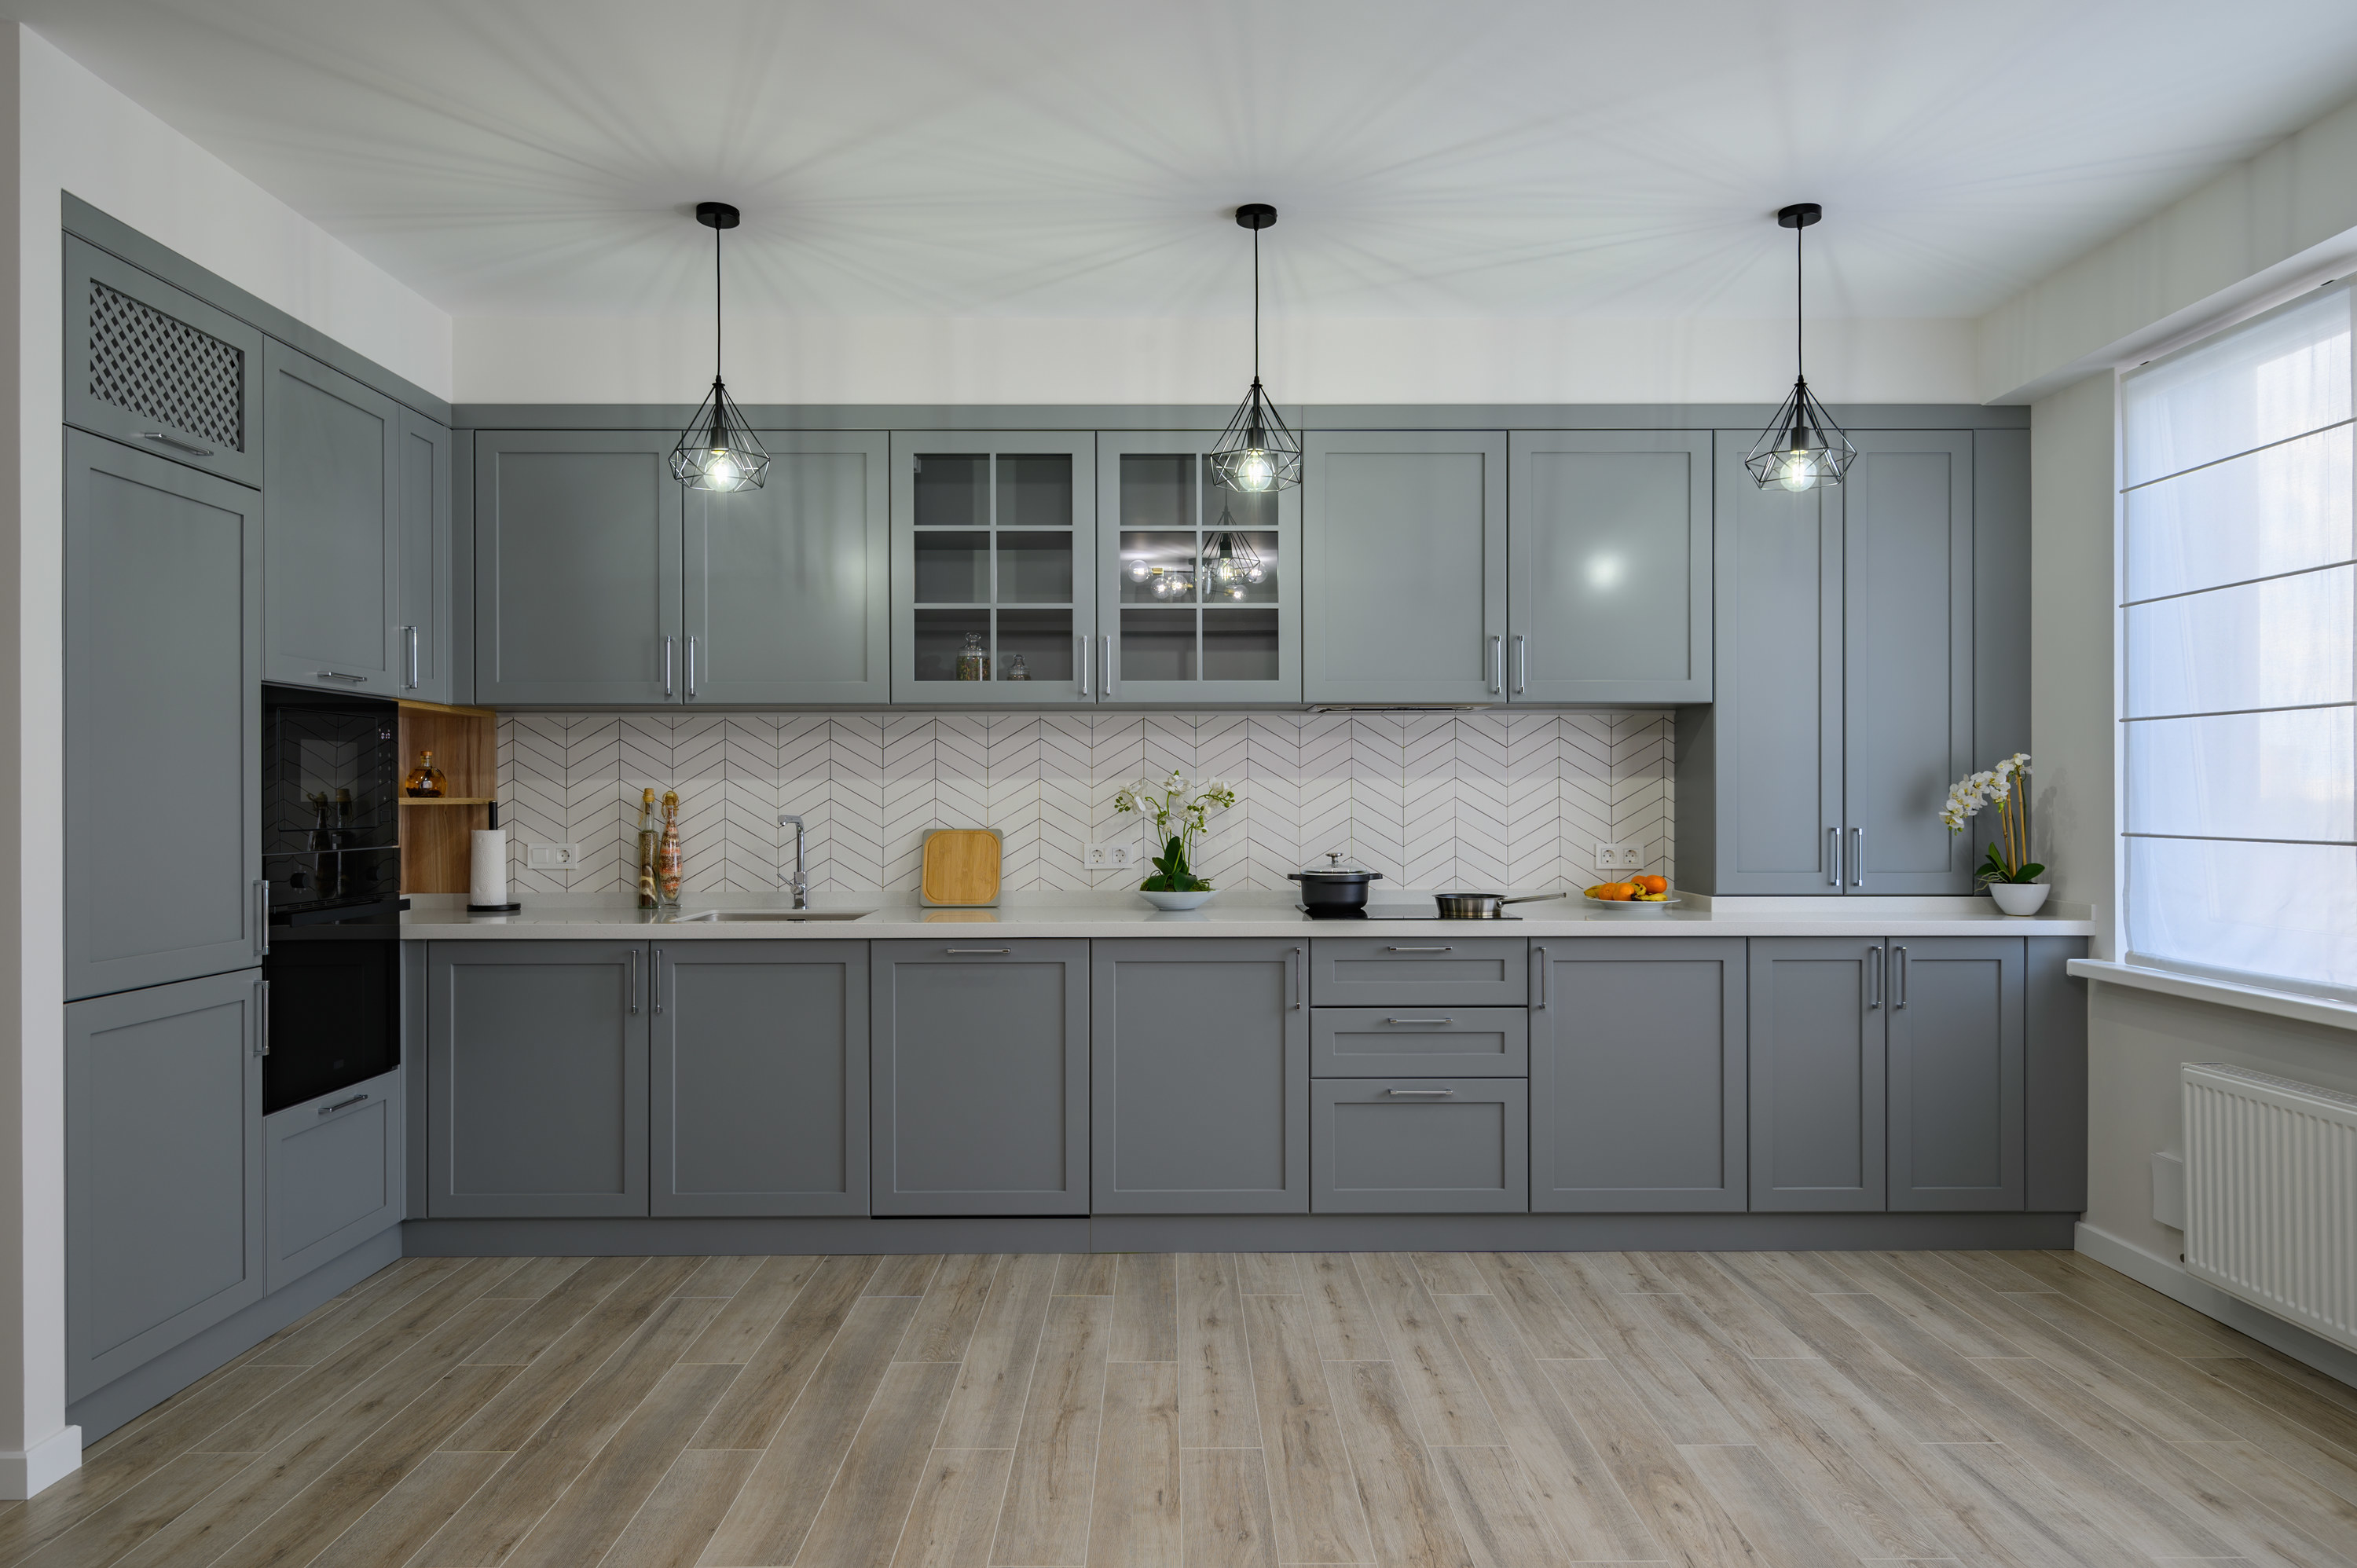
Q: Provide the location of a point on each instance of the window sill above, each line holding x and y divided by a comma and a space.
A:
2225, 992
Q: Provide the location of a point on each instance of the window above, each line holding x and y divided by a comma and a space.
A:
2239, 647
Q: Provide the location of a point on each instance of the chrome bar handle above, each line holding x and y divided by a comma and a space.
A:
174, 442
1874, 977
1497, 665
968, 951
339, 675
1111, 688
1292, 978
1857, 857
1897, 978
1404, 1093
341, 1105
691, 668
654, 980
667, 641
262, 1035
1419, 1020
1833, 857
634, 982
262, 918
1539, 968
409, 638
1081, 663
1521, 661
1419, 949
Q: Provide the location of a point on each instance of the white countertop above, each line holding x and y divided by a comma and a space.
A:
1121, 913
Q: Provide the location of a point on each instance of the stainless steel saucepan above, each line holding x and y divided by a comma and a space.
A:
1482, 906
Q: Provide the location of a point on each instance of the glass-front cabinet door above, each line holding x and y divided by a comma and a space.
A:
994, 552
1195, 581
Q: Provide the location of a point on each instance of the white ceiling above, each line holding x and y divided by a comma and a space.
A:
1028, 158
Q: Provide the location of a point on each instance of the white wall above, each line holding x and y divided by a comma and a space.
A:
65, 130
1001, 360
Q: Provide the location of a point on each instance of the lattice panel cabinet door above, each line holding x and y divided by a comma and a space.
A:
158, 368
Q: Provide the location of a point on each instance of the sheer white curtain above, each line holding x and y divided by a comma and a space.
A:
2239, 637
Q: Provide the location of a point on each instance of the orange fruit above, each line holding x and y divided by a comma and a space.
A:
1654, 884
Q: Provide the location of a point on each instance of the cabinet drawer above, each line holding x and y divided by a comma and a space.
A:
1468, 1042
1390, 972
334, 1171
1420, 1146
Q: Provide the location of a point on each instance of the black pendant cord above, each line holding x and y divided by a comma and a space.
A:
1255, 233
1799, 368
716, 305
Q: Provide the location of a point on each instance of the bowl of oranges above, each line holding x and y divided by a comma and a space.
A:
1636, 893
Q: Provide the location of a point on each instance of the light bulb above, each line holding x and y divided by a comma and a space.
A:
1798, 472
1253, 576
1256, 471
1235, 593
720, 470
1137, 571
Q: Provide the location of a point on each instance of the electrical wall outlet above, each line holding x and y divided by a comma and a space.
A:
1111, 856
553, 856
1619, 857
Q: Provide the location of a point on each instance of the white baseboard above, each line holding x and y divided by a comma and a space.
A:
25, 1474
2167, 1276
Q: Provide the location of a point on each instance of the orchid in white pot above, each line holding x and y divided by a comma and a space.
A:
1180, 812
2009, 872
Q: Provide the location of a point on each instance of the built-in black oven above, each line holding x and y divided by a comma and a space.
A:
331, 850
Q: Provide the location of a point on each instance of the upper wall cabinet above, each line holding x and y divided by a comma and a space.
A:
1608, 567
787, 597
331, 562
1404, 566
993, 547
1198, 585
421, 488
577, 568
150, 365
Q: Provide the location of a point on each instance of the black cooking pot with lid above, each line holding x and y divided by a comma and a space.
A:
1333, 888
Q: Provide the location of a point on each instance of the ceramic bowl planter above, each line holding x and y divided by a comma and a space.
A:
2019, 897
1195, 900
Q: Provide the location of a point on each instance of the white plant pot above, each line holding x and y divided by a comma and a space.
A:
2019, 897
1179, 900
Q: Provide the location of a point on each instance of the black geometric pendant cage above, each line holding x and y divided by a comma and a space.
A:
718, 451
1257, 451
1801, 447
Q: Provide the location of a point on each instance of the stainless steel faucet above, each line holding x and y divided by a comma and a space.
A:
799, 885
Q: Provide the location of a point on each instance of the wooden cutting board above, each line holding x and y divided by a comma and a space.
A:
961, 867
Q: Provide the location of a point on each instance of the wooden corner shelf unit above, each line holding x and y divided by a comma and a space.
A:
436, 851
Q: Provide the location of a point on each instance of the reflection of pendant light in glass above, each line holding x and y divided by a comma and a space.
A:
1256, 451
716, 451
1230, 563
1802, 446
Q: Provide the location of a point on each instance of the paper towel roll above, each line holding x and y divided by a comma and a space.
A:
486, 883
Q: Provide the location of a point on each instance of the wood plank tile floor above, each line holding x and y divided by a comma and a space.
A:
1226, 1411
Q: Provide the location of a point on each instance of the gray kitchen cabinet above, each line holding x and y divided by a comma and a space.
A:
424, 633
162, 1170
1818, 1006
1955, 1023
1404, 566
1637, 1075
157, 368
536, 1065
1200, 1076
980, 1065
1850, 676
1460, 1042
2054, 1077
163, 731
1198, 586
578, 559
1420, 1146
759, 1086
993, 539
1908, 657
330, 557
1608, 566
788, 587
1404, 972
336, 1174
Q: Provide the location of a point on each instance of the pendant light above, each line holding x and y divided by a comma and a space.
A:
1801, 446
718, 451
1256, 451
1230, 563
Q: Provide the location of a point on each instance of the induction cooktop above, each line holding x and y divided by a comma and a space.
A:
1425, 909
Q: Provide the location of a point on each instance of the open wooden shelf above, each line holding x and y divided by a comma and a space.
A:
436, 851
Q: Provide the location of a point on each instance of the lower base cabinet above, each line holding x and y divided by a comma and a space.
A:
1637, 1075
163, 1170
336, 1174
980, 1077
1200, 1052
1819, 1007
1420, 1146
1955, 1073
536, 1065
758, 1065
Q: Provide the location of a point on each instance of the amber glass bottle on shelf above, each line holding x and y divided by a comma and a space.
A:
669, 862
425, 782
649, 846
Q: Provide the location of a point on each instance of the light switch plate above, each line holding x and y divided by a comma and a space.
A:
1619, 857
554, 856
1110, 856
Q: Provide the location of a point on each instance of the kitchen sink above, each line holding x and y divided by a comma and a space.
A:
731, 916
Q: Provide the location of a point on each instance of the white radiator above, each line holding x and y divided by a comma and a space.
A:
2271, 1194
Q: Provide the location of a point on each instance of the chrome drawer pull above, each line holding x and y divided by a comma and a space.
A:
1419, 1020
1419, 949
338, 675
341, 1105
969, 950
174, 442
1433, 1094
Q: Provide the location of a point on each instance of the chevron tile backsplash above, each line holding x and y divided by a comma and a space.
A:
1432, 800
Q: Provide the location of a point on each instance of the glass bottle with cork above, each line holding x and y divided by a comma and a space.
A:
669, 861
649, 847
